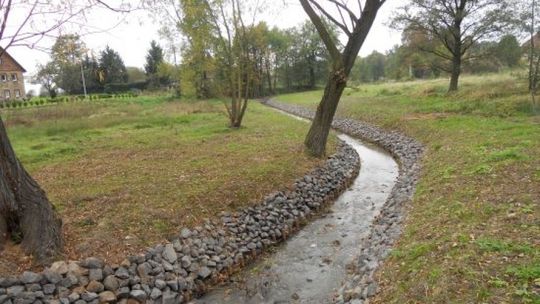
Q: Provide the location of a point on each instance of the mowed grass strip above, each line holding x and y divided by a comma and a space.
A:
127, 174
473, 229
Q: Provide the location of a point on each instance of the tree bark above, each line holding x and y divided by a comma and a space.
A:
456, 71
532, 47
317, 136
311, 84
3, 232
342, 63
25, 211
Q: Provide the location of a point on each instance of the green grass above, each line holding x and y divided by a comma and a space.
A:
472, 232
127, 173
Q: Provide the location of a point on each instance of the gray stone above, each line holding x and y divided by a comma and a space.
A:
29, 277
122, 273
95, 274
89, 296
53, 276
204, 272
156, 293
73, 297
59, 267
173, 284
93, 263
186, 261
170, 298
144, 270
160, 284
123, 292
69, 281
33, 287
76, 270
111, 283
95, 286
169, 254
107, 297
49, 289
138, 295
8, 281
14, 291
185, 233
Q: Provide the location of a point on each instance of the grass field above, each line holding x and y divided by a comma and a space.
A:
125, 174
473, 229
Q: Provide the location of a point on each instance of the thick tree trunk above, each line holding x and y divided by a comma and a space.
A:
25, 211
3, 232
456, 71
317, 136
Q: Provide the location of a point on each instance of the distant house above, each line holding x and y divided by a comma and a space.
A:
11, 78
527, 45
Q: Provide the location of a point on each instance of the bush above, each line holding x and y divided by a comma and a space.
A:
124, 87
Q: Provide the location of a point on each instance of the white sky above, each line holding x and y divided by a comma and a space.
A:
131, 39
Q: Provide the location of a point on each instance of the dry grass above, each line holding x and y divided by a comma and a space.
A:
124, 176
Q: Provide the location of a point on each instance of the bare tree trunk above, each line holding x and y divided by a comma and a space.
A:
269, 78
342, 63
25, 210
531, 51
456, 71
3, 232
311, 77
317, 136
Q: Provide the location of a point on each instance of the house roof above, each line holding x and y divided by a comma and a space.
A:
5, 53
536, 39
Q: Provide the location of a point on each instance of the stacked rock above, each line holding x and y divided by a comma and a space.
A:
184, 268
385, 229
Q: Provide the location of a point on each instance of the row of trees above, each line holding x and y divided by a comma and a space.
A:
278, 60
408, 61
74, 71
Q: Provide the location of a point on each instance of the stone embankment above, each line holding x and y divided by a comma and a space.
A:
184, 268
386, 228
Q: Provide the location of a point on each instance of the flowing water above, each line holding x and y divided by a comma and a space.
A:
309, 267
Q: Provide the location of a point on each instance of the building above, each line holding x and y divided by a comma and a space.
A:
11, 78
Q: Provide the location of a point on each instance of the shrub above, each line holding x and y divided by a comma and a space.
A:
125, 87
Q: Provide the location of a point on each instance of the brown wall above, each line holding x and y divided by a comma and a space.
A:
8, 67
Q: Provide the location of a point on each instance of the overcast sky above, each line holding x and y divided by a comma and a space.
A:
131, 37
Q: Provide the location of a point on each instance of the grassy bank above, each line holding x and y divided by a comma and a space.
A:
125, 174
473, 229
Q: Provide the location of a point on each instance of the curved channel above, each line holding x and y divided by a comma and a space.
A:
311, 265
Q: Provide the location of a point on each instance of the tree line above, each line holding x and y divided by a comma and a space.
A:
277, 60
73, 69
407, 61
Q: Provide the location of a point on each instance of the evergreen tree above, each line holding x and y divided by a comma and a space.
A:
112, 68
154, 59
508, 51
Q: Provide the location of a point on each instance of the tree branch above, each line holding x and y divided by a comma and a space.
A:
323, 32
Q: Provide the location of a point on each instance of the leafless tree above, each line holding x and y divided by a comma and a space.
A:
355, 22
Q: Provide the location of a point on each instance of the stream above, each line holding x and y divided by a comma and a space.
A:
310, 266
